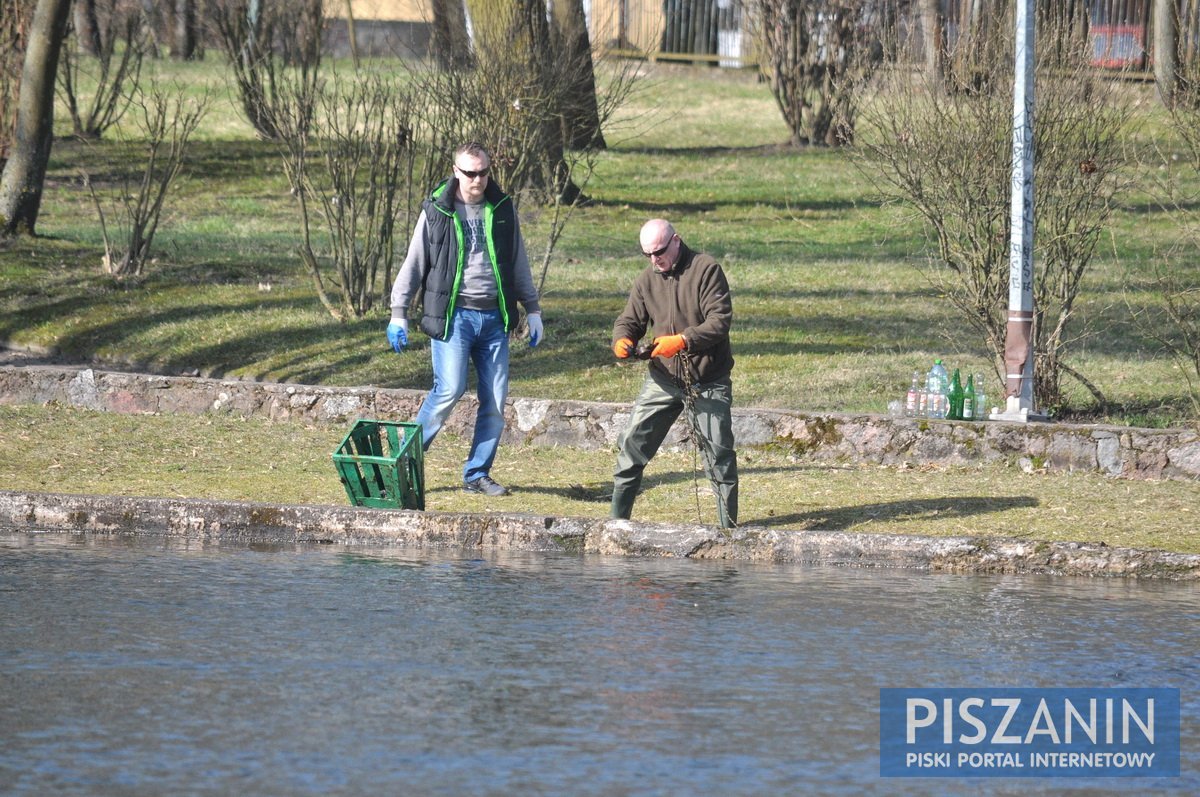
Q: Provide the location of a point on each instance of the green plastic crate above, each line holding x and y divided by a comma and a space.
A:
382, 464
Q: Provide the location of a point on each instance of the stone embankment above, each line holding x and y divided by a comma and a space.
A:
213, 522
1116, 451
878, 439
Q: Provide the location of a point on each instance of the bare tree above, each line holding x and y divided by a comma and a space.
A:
1172, 318
352, 34
111, 75
517, 112
166, 121
25, 170
1176, 50
262, 40
530, 95
450, 46
1167, 310
155, 26
814, 54
346, 169
573, 48
14, 22
86, 23
185, 39
523, 95
947, 156
933, 34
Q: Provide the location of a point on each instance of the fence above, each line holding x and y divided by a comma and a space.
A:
718, 31
1120, 33
694, 31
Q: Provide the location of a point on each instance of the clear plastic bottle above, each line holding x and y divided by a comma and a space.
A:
981, 407
931, 393
912, 400
937, 383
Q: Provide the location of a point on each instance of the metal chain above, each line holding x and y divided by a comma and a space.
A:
696, 435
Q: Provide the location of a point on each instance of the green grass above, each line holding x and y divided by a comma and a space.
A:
59, 449
830, 312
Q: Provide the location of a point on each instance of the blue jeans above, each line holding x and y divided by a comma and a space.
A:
476, 336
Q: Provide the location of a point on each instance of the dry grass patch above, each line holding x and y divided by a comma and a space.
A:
58, 449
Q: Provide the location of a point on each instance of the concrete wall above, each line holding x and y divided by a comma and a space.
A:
379, 38
1113, 450
246, 522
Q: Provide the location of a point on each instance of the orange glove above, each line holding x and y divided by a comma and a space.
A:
668, 345
623, 348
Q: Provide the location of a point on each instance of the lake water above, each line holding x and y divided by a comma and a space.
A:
142, 666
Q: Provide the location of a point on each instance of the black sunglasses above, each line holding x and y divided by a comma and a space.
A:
470, 175
659, 252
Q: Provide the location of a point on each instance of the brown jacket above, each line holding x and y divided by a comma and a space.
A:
693, 299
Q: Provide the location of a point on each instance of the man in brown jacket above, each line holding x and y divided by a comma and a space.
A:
684, 296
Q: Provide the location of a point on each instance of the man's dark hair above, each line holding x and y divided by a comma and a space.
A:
475, 149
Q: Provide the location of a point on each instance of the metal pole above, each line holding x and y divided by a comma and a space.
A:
1018, 344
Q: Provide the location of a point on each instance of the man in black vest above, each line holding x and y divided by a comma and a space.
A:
467, 266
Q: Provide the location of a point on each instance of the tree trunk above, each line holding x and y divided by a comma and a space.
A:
150, 24
87, 27
351, 34
185, 30
931, 30
581, 117
14, 24
450, 44
25, 171
1166, 51
513, 40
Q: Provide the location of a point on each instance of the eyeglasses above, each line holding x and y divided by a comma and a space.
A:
470, 175
660, 252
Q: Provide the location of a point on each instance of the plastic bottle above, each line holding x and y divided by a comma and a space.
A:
937, 384
931, 392
954, 410
912, 400
981, 407
968, 403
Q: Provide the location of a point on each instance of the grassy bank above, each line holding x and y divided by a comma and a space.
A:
830, 313
67, 450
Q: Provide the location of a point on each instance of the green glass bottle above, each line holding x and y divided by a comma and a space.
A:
968, 406
955, 395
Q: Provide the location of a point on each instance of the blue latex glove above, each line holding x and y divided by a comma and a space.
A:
535, 329
397, 335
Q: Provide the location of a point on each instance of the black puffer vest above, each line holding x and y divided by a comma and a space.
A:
444, 254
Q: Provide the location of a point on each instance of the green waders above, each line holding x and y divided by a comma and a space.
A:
658, 405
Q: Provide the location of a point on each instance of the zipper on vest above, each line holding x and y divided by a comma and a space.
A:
489, 213
458, 274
